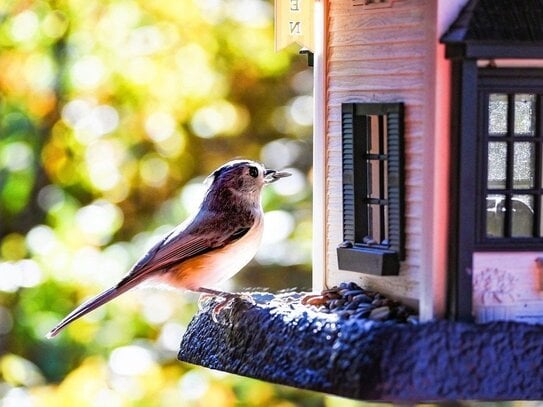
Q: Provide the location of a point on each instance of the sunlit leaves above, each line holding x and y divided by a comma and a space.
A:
111, 115
13, 247
16, 174
219, 118
16, 191
19, 371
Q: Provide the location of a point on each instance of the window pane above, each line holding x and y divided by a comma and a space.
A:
373, 179
524, 114
523, 215
384, 226
373, 139
497, 114
384, 148
524, 164
495, 210
384, 179
374, 217
497, 160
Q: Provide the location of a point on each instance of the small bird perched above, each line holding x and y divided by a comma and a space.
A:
212, 246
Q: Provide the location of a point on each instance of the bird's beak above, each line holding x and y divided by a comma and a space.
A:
272, 175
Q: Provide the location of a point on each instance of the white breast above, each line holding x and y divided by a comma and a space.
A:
218, 265
234, 257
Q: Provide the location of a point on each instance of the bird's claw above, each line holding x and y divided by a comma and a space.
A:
204, 299
226, 301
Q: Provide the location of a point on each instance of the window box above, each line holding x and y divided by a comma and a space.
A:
378, 262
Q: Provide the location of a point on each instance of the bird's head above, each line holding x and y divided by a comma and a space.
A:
244, 177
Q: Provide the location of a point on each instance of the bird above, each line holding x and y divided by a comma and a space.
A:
209, 247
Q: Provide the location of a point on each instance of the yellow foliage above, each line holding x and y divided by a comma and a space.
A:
125, 106
18, 371
13, 247
83, 385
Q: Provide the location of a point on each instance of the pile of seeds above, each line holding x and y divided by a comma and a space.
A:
351, 301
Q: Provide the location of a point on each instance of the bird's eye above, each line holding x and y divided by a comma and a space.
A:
253, 172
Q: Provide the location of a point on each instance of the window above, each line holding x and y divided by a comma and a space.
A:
512, 145
372, 141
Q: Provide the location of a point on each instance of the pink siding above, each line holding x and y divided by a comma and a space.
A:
381, 55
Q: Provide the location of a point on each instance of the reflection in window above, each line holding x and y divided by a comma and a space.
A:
523, 165
523, 215
524, 114
497, 114
497, 162
495, 209
513, 195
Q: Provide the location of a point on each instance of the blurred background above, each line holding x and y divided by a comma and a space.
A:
111, 115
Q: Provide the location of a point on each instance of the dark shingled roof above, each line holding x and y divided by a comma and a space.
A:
497, 29
498, 20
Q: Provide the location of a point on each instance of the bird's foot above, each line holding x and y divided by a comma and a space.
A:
204, 299
226, 303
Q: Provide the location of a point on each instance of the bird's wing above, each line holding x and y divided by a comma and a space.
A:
207, 232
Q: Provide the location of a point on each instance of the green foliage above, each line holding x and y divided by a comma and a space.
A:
111, 115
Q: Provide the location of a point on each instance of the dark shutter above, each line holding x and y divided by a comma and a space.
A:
354, 181
395, 179
371, 258
347, 122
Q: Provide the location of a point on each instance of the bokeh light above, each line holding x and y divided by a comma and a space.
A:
112, 116
88, 72
90, 121
19, 274
24, 26
295, 185
169, 336
16, 156
219, 119
193, 385
160, 126
131, 360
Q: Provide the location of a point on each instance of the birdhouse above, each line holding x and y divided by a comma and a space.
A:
428, 183
428, 143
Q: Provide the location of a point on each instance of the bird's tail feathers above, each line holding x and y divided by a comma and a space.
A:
94, 303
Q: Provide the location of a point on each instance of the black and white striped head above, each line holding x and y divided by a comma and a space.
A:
244, 176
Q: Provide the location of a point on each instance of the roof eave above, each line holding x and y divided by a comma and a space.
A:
493, 49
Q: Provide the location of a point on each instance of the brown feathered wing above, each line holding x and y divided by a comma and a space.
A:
184, 242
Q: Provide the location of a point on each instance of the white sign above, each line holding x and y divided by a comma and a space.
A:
294, 23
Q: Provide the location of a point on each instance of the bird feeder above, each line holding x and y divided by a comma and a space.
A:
428, 189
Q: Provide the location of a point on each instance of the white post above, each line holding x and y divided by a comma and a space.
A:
319, 147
